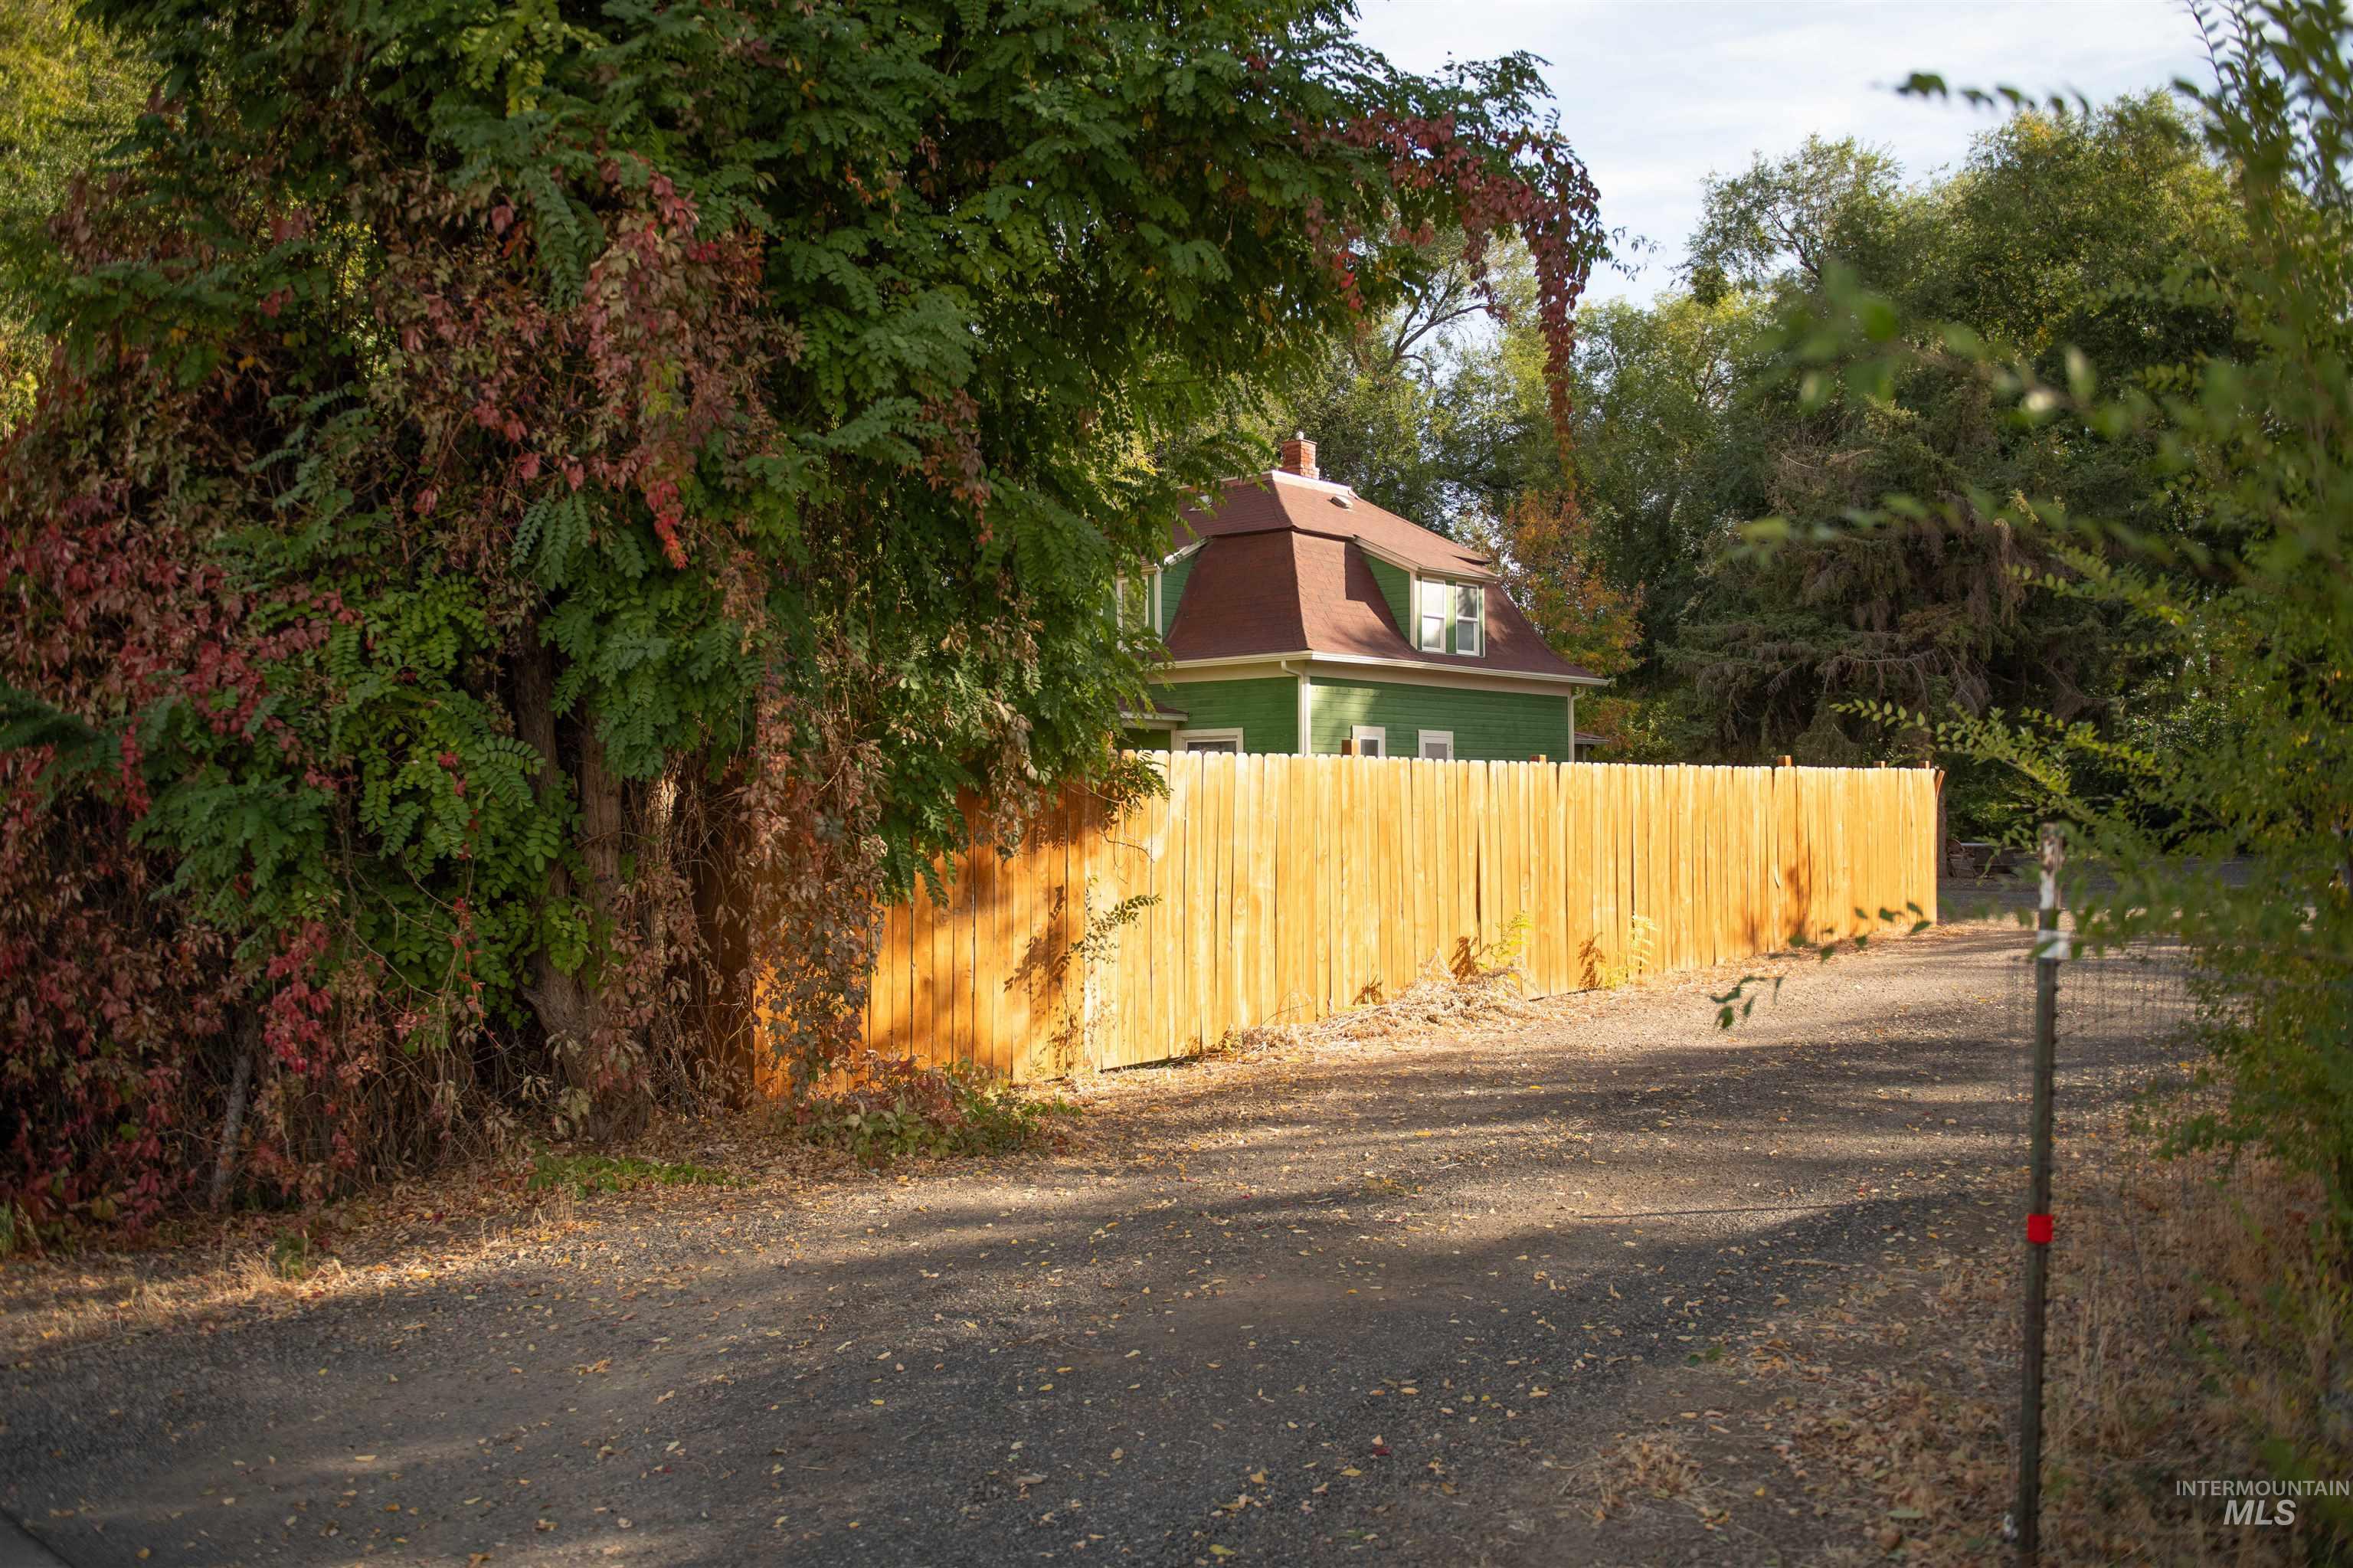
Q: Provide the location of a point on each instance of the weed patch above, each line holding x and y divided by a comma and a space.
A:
292, 1255
582, 1174
902, 1108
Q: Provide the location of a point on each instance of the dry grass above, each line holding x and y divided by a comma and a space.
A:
1438, 1002
2188, 1329
2197, 1333
1637, 1469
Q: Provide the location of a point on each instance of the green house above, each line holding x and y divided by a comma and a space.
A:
1301, 618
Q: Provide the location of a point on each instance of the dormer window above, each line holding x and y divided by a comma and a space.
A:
1469, 618
1451, 617
1135, 602
1430, 637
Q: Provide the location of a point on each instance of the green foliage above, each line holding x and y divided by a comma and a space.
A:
1663, 441
1503, 955
1099, 942
1425, 410
2240, 609
1784, 222
583, 1174
2062, 226
903, 1109
547, 515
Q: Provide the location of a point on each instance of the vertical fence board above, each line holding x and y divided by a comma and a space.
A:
1009, 978
1545, 964
1159, 964
1576, 891
1266, 799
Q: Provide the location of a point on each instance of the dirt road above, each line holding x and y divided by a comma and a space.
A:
1371, 1300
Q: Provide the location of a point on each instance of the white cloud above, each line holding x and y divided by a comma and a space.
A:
1656, 96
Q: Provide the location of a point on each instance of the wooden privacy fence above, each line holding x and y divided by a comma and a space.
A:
1281, 889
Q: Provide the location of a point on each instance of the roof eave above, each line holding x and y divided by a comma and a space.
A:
1376, 661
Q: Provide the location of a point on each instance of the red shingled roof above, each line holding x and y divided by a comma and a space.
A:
1282, 569
1280, 500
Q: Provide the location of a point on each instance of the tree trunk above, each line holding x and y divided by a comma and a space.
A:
249, 1042
566, 1011
570, 1011
722, 980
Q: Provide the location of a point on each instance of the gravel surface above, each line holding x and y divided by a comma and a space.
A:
1345, 1301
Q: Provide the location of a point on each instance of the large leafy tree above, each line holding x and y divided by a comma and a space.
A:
1445, 410
1787, 223
2067, 229
2240, 604
2066, 226
541, 511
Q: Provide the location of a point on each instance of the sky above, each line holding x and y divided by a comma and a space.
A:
1656, 94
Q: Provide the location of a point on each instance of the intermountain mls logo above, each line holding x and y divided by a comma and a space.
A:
2262, 1502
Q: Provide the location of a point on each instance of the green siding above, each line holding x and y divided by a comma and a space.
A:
1171, 589
1397, 587
1266, 711
1489, 726
1144, 740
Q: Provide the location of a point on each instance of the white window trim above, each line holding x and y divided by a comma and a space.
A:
1478, 648
1186, 737
1378, 734
1422, 589
1150, 608
1444, 736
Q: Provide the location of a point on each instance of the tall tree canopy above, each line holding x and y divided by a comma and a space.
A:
2213, 530
2065, 231
515, 489
2062, 233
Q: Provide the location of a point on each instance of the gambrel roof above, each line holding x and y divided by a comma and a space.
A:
1285, 565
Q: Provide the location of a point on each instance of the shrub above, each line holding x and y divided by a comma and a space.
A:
2244, 601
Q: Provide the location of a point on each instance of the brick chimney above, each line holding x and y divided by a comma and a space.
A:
1299, 456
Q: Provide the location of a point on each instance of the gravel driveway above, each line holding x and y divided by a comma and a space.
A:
1355, 1300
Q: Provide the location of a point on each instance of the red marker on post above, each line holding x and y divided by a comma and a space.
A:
2050, 947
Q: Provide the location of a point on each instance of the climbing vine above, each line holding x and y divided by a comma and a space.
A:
529, 522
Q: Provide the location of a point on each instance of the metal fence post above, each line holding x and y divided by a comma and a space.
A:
2050, 950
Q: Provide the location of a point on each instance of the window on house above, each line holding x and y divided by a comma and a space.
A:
1437, 744
1430, 638
1137, 599
1371, 739
1210, 740
1470, 617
